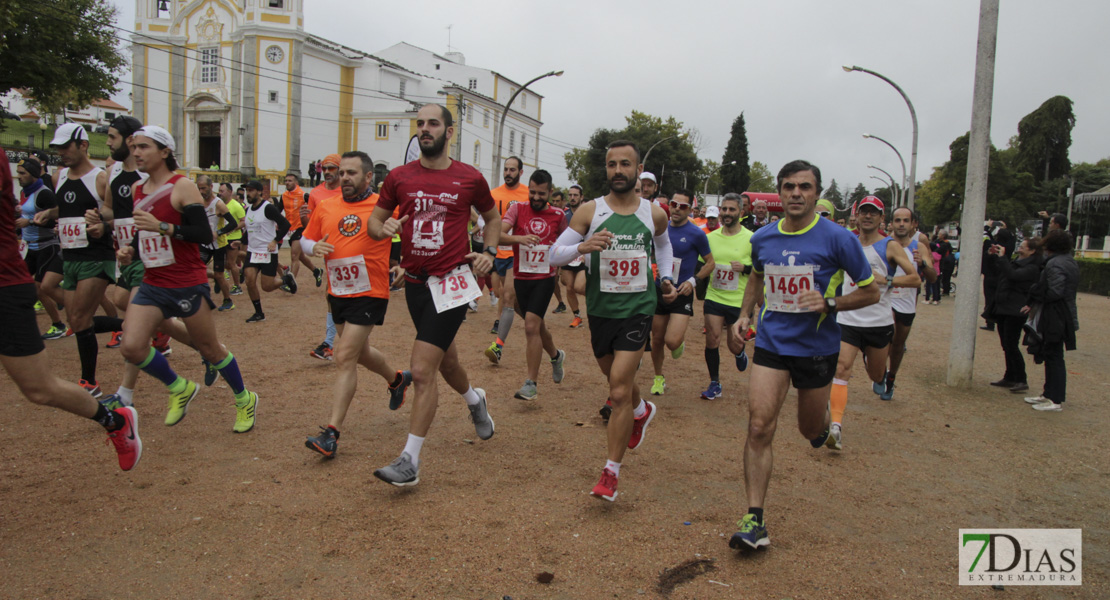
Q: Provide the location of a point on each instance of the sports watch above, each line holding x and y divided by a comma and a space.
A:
491, 250
164, 228
830, 306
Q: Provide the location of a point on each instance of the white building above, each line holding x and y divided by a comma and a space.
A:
100, 112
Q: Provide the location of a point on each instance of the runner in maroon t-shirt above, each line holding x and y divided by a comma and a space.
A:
434, 195
23, 354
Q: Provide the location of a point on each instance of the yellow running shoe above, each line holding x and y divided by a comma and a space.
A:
179, 403
244, 413
659, 385
677, 352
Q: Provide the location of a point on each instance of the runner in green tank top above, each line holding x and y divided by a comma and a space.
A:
618, 233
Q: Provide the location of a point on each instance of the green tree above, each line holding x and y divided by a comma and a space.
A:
857, 194
736, 178
762, 180
1044, 137
63, 51
832, 194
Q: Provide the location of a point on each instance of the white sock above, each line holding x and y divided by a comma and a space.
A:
640, 410
471, 396
615, 467
127, 396
413, 447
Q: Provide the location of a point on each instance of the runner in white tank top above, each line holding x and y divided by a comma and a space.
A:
904, 301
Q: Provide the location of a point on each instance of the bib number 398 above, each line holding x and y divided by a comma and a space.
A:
785, 285
454, 289
624, 271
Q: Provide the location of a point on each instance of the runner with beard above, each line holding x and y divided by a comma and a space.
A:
574, 273
266, 227
618, 233
40, 244
234, 238
321, 194
903, 300
509, 193
292, 199
435, 195
731, 245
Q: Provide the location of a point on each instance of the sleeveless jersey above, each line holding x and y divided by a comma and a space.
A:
75, 196
36, 237
904, 300
120, 183
213, 223
188, 269
260, 229
878, 314
632, 233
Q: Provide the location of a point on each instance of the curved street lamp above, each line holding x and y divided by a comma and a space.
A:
875, 137
891, 177
705, 190
643, 161
913, 116
496, 175
889, 182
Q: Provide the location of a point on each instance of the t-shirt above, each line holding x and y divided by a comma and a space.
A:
13, 270
437, 202
829, 251
688, 243
236, 209
291, 202
725, 285
320, 194
546, 224
505, 198
345, 225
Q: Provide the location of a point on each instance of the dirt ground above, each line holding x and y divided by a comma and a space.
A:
211, 514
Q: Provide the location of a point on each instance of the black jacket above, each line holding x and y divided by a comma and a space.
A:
1055, 292
1015, 280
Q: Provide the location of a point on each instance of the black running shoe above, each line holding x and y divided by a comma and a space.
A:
290, 283
397, 394
325, 443
210, 373
256, 318
318, 273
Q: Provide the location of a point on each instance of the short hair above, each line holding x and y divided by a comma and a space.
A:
1060, 219
367, 163
519, 163
733, 197
575, 187
1036, 244
1057, 241
797, 166
759, 202
171, 160
540, 177
684, 192
557, 194
624, 144
227, 185
204, 178
913, 217
293, 175
445, 115
662, 195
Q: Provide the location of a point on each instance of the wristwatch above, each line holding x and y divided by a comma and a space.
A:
492, 250
668, 278
164, 228
830, 306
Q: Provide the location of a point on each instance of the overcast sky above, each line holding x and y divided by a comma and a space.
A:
778, 62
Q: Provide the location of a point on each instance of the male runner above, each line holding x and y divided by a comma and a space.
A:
505, 195
531, 229
291, 201
574, 273
688, 244
23, 354
358, 291
266, 227
216, 252
235, 238
731, 246
618, 234
321, 194
559, 201
904, 300
797, 341
43, 255
434, 195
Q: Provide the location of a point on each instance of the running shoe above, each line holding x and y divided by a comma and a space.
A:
93, 388
496, 324
742, 361
39, 308
227, 305
397, 393
1003, 383
55, 333
473, 306
493, 353
606, 487
1049, 406
833, 441
117, 337
677, 352
236, 290
325, 443
322, 352
880, 387
211, 374
179, 403
659, 386
639, 427
752, 534
129, 446
161, 343
318, 273
713, 392
557, 371
562, 308
820, 440
479, 415
400, 472
256, 318
493, 300
245, 413
576, 322
1036, 400
888, 390
112, 402
290, 283
527, 391
606, 410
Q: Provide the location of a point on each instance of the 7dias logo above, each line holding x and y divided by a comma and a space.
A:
1021, 556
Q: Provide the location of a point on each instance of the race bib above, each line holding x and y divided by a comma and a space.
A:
508, 249
454, 289
23, 249
536, 259
348, 276
124, 231
260, 258
624, 271
71, 232
155, 250
725, 279
577, 262
677, 262
785, 284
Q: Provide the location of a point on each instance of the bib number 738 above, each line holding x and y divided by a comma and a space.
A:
454, 289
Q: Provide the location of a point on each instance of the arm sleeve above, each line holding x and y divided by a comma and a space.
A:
307, 244
194, 226
664, 254
565, 249
273, 214
230, 224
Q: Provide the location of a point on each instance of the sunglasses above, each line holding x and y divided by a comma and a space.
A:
329, 168
679, 205
823, 214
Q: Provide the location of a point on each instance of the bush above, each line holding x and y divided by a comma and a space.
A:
1094, 276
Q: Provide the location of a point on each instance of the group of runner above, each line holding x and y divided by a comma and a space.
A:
637, 262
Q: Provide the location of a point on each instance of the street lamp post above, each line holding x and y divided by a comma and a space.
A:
42, 128
496, 175
890, 182
875, 137
889, 176
643, 161
705, 190
913, 116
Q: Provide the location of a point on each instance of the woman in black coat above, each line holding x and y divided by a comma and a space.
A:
1055, 293
1014, 281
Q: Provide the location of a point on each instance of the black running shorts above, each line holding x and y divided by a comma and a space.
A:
43, 261
682, 305
268, 269
904, 319
534, 295
619, 335
730, 313
806, 372
360, 310
181, 302
435, 328
867, 337
19, 330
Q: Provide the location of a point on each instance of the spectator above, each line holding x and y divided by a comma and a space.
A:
1052, 222
758, 218
312, 173
994, 232
942, 247
1057, 319
1015, 278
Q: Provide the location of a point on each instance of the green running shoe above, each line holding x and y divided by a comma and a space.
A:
245, 412
751, 535
659, 386
179, 403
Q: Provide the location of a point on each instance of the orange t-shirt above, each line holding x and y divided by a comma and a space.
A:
345, 225
320, 194
504, 197
291, 202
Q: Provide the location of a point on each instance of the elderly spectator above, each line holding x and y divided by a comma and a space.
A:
1054, 294
1052, 222
1015, 278
758, 218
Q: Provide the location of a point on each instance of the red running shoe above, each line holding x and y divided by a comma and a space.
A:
606, 488
93, 388
126, 439
639, 427
117, 336
161, 343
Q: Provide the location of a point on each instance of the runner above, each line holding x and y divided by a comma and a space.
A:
434, 195
292, 199
868, 329
616, 234
266, 227
534, 226
502, 276
88, 262
688, 244
731, 246
23, 354
321, 194
903, 300
793, 263
574, 273
40, 244
170, 225
216, 252
559, 201
235, 238
358, 291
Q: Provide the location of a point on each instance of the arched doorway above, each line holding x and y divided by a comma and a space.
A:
208, 127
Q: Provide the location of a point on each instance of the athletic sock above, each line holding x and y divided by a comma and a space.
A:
506, 323
838, 399
615, 467
713, 363
87, 350
126, 395
329, 335
757, 512
257, 306
413, 446
576, 313
159, 368
640, 410
107, 418
229, 368
60, 325
103, 324
471, 396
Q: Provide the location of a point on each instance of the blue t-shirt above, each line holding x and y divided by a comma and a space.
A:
831, 251
688, 243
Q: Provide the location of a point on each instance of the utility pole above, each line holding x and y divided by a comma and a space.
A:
961, 350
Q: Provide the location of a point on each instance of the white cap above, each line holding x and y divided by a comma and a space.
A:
712, 212
159, 135
69, 132
648, 175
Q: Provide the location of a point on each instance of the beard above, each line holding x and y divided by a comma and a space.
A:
120, 154
537, 206
621, 186
438, 144
728, 221
511, 181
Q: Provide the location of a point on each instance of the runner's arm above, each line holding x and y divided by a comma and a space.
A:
273, 214
565, 248
911, 279
491, 237
230, 224
927, 266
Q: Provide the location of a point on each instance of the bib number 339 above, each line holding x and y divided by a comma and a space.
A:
454, 289
348, 276
785, 285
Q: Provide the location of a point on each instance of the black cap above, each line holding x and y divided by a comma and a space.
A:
126, 125
254, 184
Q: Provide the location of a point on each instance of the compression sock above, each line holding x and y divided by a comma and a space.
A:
506, 323
257, 306
87, 350
838, 399
229, 368
107, 324
413, 446
107, 418
713, 363
159, 368
329, 335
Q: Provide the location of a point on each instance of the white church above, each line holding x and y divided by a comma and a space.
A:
242, 87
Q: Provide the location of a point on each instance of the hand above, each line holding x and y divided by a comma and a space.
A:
917, 255
670, 292
685, 289
235, 245
145, 221
1043, 214
398, 277
737, 266
813, 301
271, 247
92, 217
323, 248
95, 231
21, 223
740, 327
480, 263
880, 278
41, 218
598, 241
125, 255
1025, 310
392, 226
304, 210
531, 240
